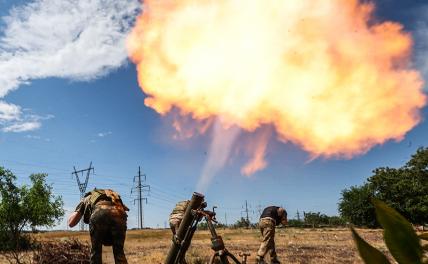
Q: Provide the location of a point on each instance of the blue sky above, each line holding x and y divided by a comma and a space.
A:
53, 119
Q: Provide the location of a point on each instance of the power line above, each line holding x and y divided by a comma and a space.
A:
159, 198
170, 194
34, 165
82, 185
163, 196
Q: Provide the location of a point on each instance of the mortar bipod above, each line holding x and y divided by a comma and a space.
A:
217, 243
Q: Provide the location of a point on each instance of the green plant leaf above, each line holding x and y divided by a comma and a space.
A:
424, 236
400, 238
369, 254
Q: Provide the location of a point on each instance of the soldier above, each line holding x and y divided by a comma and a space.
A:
106, 215
177, 215
271, 217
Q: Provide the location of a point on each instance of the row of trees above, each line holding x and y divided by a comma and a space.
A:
310, 219
405, 189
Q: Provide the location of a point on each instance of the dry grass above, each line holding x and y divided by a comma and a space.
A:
320, 246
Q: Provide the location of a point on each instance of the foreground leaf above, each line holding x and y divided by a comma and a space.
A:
424, 236
369, 254
400, 238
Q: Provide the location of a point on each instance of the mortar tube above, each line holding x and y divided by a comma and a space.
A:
195, 203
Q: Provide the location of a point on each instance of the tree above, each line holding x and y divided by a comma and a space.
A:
355, 206
25, 207
405, 189
336, 221
295, 223
315, 219
242, 223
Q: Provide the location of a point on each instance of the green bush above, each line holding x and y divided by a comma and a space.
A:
25, 207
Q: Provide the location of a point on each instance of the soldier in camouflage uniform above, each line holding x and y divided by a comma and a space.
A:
177, 215
106, 215
271, 217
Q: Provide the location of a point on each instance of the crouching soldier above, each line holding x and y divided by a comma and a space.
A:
106, 215
271, 217
177, 215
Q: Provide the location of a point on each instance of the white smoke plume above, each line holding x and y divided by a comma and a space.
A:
218, 153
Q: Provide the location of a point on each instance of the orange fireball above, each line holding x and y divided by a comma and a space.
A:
324, 74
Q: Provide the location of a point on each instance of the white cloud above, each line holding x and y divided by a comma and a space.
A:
9, 112
73, 39
35, 137
32, 137
14, 119
22, 127
104, 134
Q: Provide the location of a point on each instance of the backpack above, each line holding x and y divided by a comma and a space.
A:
115, 199
107, 194
180, 207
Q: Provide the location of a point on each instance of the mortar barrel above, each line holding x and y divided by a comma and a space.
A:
195, 203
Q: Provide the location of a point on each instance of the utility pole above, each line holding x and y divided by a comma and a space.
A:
140, 188
225, 218
259, 209
246, 210
82, 185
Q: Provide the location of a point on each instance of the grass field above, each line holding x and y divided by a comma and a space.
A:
293, 245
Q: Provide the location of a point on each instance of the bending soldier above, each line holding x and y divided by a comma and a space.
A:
271, 217
106, 215
177, 214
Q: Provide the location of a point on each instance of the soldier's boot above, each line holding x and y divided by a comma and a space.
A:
260, 260
182, 261
275, 261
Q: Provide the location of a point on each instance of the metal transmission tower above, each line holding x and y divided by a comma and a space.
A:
246, 212
140, 189
82, 185
259, 209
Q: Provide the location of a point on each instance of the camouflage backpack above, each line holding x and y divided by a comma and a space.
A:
180, 208
108, 194
115, 198
92, 197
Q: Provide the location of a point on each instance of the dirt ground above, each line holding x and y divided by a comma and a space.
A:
293, 245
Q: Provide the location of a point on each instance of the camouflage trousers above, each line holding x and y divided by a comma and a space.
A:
174, 224
267, 228
107, 226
